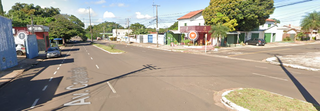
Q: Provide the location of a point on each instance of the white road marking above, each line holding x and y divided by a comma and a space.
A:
91, 58
65, 57
270, 77
58, 68
45, 87
261, 67
88, 53
60, 65
55, 73
97, 66
50, 78
34, 103
113, 90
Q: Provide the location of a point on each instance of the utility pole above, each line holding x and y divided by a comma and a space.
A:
128, 22
32, 25
90, 25
157, 22
104, 32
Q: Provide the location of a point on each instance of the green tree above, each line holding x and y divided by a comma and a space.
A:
138, 28
248, 14
174, 26
311, 22
1, 8
218, 31
277, 21
97, 29
64, 27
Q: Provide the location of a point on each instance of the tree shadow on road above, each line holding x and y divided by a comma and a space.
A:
307, 96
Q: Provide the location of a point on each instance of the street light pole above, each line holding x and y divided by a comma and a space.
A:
90, 25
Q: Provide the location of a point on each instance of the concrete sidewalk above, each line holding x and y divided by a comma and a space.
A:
181, 48
23, 64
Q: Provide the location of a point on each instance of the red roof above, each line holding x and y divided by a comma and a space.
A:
190, 14
270, 20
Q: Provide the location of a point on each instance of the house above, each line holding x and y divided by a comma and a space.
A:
42, 33
121, 34
194, 21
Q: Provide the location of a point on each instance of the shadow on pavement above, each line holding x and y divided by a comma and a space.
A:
307, 96
67, 50
146, 67
21, 93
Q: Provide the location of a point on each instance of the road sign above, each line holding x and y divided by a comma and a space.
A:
193, 35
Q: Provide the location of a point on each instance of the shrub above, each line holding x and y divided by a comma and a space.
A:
313, 38
112, 46
186, 41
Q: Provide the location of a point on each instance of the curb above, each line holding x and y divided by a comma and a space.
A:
230, 104
106, 50
272, 59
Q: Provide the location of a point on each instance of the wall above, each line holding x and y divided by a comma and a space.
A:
8, 55
31, 47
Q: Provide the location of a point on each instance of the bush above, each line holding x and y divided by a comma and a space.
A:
287, 39
186, 41
313, 38
112, 46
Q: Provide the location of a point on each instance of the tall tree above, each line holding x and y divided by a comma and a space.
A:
174, 26
248, 14
1, 8
311, 22
97, 29
218, 31
64, 27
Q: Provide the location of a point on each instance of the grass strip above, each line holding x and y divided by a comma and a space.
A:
108, 48
261, 100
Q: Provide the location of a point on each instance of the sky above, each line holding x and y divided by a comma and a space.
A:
142, 11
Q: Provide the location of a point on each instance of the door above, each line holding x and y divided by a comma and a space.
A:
150, 38
267, 37
274, 37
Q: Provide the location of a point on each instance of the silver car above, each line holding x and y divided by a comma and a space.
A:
53, 52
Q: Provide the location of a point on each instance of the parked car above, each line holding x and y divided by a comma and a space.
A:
255, 41
20, 49
53, 52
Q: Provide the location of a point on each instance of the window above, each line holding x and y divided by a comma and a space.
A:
199, 24
185, 24
269, 25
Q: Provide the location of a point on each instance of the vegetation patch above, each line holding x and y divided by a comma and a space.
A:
261, 100
109, 49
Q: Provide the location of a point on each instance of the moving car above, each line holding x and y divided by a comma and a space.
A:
256, 41
53, 52
20, 49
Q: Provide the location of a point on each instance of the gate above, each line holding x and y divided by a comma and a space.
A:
150, 38
141, 39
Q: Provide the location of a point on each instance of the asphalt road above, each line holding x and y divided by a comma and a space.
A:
142, 79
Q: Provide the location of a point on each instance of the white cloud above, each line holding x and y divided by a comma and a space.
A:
100, 2
117, 4
108, 15
120, 5
84, 11
140, 16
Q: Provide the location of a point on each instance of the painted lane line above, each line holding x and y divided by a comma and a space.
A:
88, 53
97, 66
113, 90
55, 73
60, 65
91, 58
270, 77
65, 57
258, 52
58, 68
261, 67
50, 79
34, 103
45, 87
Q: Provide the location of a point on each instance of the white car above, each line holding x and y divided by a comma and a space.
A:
20, 49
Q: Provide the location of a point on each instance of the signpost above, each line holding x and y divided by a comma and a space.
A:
205, 50
193, 36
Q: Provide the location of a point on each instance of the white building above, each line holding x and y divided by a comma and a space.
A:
194, 18
121, 34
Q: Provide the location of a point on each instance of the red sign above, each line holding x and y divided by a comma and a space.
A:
193, 35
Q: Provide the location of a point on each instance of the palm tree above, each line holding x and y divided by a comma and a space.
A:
311, 22
218, 31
